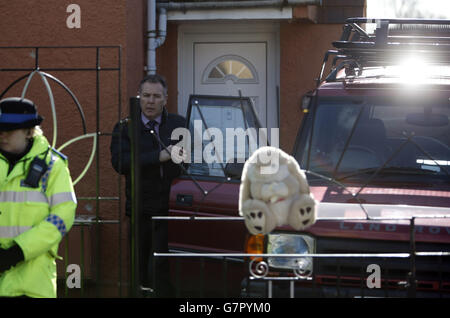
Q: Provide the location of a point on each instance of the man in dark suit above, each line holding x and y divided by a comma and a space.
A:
158, 171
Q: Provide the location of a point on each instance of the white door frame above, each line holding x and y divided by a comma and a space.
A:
230, 32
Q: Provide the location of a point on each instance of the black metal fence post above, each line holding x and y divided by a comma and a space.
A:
412, 273
152, 260
136, 207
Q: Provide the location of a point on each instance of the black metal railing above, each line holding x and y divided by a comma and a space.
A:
340, 267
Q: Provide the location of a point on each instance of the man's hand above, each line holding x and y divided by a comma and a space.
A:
178, 154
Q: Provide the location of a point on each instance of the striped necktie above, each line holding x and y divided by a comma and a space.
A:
152, 125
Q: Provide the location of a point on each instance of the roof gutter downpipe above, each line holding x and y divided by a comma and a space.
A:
209, 5
156, 38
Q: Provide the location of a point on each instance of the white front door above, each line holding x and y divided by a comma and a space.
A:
225, 59
227, 68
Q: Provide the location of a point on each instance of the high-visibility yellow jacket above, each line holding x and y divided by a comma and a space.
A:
36, 219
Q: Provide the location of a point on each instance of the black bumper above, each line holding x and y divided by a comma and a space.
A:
256, 288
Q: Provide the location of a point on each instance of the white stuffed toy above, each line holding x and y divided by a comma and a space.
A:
274, 192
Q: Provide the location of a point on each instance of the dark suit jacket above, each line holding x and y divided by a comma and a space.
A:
155, 189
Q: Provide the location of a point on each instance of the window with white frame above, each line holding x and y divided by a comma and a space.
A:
230, 67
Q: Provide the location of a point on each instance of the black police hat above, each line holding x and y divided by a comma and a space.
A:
17, 113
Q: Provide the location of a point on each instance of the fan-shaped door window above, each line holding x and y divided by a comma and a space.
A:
230, 67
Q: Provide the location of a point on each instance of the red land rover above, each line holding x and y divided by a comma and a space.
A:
374, 143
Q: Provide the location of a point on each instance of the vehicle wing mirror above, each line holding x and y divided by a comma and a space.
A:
306, 101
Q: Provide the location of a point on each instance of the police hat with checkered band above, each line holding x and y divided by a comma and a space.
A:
17, 113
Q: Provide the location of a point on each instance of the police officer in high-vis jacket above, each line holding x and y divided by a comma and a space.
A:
37, 203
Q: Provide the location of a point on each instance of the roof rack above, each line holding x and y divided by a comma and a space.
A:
393, 40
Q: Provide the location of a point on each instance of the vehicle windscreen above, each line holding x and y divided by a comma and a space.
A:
224, 131
384, 139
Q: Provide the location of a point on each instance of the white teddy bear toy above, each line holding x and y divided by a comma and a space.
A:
274, 192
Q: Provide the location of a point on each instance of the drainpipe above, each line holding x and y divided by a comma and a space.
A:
183, 6
155, 37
